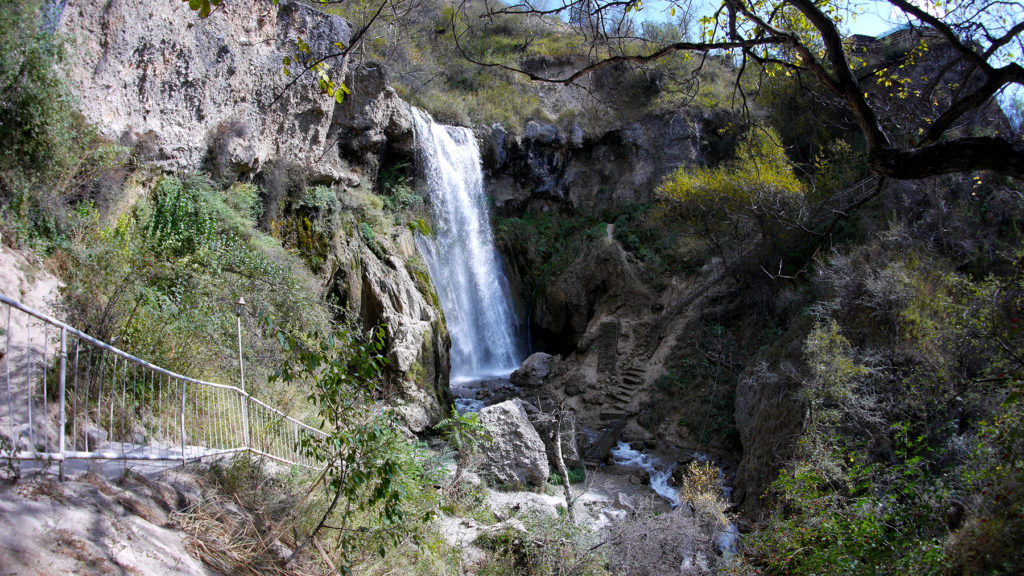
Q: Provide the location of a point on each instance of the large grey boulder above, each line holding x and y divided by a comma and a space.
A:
516, 453
533, 370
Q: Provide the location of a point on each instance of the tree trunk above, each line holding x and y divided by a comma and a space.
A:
561, 466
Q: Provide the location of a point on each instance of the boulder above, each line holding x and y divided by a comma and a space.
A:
516, 453
533, 370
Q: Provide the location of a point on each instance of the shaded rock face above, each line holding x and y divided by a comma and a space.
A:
516, 453
769, 416
547, 428
191, 93
380, 291
548, 167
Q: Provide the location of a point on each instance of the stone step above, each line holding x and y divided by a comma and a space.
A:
607, 416
607, 347
620, 397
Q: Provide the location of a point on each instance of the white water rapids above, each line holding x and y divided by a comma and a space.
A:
463, 263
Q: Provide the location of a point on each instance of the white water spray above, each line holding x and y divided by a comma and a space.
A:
461, 258
659, 471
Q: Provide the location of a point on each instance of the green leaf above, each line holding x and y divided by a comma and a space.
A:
339, 95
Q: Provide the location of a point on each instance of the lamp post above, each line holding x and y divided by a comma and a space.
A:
239, 306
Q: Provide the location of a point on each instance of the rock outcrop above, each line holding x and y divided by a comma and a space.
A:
190, 93
515, 455
547, 167
379, 289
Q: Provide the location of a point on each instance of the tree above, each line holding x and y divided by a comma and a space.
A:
981, 39
366, 471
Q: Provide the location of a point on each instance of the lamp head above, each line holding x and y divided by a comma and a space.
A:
239, 306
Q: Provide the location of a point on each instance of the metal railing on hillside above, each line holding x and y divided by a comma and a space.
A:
70, 396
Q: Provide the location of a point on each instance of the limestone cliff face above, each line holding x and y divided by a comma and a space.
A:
209, 94
570, 168
192, 93
375, 285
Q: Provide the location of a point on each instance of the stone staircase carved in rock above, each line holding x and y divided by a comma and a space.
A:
607, 347
619, 399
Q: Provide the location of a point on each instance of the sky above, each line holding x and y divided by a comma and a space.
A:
874, 20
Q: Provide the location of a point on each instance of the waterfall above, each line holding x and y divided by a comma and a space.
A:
461, 258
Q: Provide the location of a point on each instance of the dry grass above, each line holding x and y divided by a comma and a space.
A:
226, 538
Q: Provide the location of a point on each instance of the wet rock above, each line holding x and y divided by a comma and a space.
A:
380, 290
516, 454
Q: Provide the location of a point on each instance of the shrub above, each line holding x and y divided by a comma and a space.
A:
759, 182
549, 546
50, 159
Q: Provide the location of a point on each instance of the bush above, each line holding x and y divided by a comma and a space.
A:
549, 546
759, 183
50, 159
162, 280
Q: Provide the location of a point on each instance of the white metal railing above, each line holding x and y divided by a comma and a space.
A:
69, 396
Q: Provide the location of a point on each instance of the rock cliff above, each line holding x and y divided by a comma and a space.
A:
190, 93
548, 167
209, 94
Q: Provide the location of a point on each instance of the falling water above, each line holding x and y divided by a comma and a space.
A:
463, 263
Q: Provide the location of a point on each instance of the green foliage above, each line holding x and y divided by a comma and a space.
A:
699, 384
466, 434
162, 279
543, 244
422, 226
849, 528
37, 124
911, 451
367, 232
181, 223
759, 181
367, 466
396, 188
50, 159
549, 547
576, 475
244, 199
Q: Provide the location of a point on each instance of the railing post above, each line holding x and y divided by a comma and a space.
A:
184, 460
60, 393
245, 421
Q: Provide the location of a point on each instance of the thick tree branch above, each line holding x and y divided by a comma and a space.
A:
846, 84
948, 156
1000, 77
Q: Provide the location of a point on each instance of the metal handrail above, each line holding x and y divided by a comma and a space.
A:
279, 432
